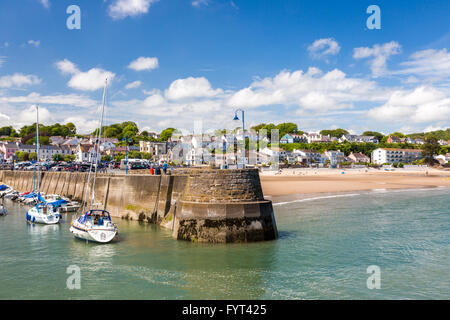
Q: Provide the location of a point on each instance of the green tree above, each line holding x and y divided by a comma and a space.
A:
22, 155
286, 127
430, 148
398, 135
69, 157
337, 133
8, 131
111, 132
167, 133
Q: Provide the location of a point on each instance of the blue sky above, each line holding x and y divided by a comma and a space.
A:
174, 62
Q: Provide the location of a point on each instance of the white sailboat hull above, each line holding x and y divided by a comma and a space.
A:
101, 234
37, 216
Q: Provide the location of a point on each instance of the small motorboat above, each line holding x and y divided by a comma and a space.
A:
12, 195
44, 213
4, 189
94, 225
69, 206
3, 211
23, 196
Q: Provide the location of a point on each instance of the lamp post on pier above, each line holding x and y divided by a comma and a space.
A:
126, 153
236, 118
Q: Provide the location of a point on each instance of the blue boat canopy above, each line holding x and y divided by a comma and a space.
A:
3, 187
102, 213
30, 195
58, 203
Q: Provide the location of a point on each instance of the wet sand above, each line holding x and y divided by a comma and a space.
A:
313, 181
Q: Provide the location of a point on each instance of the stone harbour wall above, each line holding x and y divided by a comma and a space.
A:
204, 205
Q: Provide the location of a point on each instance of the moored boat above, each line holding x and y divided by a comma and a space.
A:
3, 211
12, 195
44, 213
94, 225
4, 189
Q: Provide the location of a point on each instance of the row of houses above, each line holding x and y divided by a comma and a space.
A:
9, 149
408, 140
319, 138
82, 148
352, 138
198, 149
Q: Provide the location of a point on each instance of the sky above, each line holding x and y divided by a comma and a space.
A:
191, 63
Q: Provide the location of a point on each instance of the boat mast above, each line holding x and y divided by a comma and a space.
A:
97, 146
37, 145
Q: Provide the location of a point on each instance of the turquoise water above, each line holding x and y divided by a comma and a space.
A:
325, 247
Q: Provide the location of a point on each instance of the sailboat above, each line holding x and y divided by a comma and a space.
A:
95, 224
42, 212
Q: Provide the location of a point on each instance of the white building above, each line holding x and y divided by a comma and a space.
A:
443, 158
394, 155
358, 139
275, 153
85, 153
154, 148
308, 156
335, 157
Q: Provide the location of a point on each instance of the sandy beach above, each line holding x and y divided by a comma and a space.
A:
312, 181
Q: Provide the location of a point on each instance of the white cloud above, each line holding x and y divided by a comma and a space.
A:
191, 88
18, 80
323, 47
380, 54
4, 118
154, 100
423, 104
434, 128
35, 43
68, 99
133, 85
144, 63
45, 3
121, 9
427, 63
28, 115
83, 124
67, 67
90, 80
198, 3
311, 90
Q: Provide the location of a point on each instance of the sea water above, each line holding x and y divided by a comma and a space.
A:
326, 244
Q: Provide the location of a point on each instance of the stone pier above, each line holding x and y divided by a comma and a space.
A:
200, 204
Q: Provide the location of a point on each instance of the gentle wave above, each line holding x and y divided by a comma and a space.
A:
381, 190
318, 198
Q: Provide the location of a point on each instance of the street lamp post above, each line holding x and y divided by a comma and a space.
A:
126, 153
243, 134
